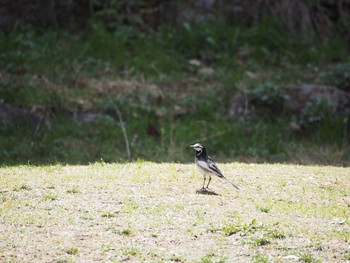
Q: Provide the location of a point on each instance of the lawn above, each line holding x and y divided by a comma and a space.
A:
143, 211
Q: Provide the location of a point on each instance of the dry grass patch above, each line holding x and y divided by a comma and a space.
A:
148, 211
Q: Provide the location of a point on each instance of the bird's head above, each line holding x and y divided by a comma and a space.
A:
198, 147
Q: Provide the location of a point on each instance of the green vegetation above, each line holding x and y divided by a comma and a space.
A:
100, 179
151, 93
126, 231
50, 197
72, 251
259, 259
307, 257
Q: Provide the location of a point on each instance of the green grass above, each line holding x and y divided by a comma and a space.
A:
307, 257
145, 211
259, 259
147, 90
72, 251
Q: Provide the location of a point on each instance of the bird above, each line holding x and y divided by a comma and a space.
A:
207, 166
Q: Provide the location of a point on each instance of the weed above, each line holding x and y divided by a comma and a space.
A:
175, 258
243, 229
337, 75
207, 258
211, 258
2, 199
130, 206
267, 94
72, 251
319, 246
347, 256
261, 241
22, 187
73, 190
258, 241
132, 251
307, 257
259, 258
212, 228
264, 209
126, 231
344, 234
50, 197
65, 260
109, 214
279, 234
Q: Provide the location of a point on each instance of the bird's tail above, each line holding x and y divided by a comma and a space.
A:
230, 183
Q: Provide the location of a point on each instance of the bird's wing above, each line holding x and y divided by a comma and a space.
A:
210, 167
213, 167
218, 172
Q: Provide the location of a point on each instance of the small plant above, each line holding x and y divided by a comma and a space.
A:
338, 75
319, 246
258, 241
210, 258
132, 251
343, 234
212, 228
347, 256
314, 112
108, 214
2, 199
264, 209
23, 186
307, 257
72, 251
74, 190
64, 260
207, 258
259, 258
261, 241
126, 231
50, 197
267, 94
277, 234
175, 258
231, 229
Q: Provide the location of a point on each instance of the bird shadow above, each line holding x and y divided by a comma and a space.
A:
205, 191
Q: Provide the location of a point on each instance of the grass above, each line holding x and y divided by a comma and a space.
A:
259, 259
72, 251
148, 94
79, 189
307, 257
145, 211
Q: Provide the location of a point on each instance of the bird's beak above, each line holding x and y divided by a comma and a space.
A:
192, 146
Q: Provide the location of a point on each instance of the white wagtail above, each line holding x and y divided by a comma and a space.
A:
206, 165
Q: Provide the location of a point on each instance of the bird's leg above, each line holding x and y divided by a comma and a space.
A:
209, 181
204, 182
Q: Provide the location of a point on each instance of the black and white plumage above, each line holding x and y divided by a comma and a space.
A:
206, 165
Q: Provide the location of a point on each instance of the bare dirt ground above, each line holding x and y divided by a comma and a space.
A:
149, 212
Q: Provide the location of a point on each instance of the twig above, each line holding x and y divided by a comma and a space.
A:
127, 146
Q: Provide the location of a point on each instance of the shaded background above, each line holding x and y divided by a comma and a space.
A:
85, 81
